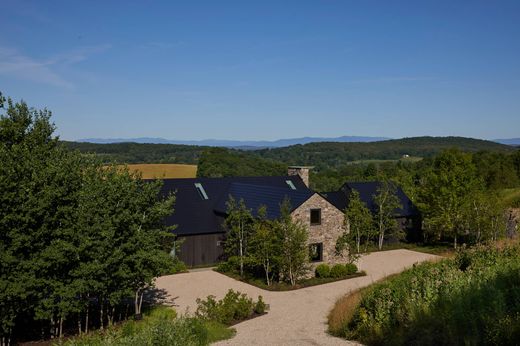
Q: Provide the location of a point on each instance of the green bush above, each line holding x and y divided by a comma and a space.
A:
338, 271
322, 271
235, 306
159, 328
471, 299
351, 268
178, 267
231, 265
260, 306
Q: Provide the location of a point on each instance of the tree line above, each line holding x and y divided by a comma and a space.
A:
79, 241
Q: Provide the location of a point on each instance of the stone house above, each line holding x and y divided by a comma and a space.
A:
200, 211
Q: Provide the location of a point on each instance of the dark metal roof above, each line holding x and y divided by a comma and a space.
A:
194, 215
367, 191
336, 198
255, 196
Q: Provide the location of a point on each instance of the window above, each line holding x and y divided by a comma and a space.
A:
316, 252
315, 216
291, 185
201, 191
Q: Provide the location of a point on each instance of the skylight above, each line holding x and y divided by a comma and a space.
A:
291, 185
201, 191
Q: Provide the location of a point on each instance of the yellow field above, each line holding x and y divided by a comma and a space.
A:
164, 170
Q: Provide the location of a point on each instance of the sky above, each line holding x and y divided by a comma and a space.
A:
264, 70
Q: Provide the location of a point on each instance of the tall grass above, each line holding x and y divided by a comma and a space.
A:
471, 299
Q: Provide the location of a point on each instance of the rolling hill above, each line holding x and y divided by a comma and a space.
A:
331, 154
324, 154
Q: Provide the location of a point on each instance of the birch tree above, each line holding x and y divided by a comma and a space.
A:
293, 238
239, 224
265, 243
387, 202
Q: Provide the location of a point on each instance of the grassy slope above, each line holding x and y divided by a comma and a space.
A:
472, 299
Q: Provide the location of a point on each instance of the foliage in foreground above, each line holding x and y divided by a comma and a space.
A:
79, 242
234, 307
160, 327
472, 299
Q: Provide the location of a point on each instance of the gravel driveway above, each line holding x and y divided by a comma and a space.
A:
296, 317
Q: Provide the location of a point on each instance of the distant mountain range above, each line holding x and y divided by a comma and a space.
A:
236, 144
508, 141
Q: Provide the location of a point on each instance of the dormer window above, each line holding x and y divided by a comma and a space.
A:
201, 191
291, 184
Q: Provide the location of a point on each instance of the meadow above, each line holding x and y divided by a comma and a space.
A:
164, 170
471, 299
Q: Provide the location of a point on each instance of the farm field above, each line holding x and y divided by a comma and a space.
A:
377, 161
164, 170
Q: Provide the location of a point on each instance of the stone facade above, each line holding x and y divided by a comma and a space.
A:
327, 232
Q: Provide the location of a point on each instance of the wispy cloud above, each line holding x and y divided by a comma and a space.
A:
20, 66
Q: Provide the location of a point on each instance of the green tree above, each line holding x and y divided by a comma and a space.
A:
293, 245
446, 190
358, 223
265, 244
239, 224
387, 202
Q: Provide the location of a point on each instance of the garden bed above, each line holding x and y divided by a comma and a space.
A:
283, 286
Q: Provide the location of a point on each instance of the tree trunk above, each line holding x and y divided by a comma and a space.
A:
266, 268
53, 328
86, 317
455, 242
79, 325
136, 303
141, 302
61, 327
101, 314
381, 237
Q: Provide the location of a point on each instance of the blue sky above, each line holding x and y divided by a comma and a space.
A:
266, 69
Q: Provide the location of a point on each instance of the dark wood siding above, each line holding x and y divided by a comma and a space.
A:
201, 249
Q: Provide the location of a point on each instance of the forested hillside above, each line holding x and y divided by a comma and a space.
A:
332, 154
141, 153
322, 155
221, 162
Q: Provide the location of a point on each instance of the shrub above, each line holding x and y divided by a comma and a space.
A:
472, 299
351, 268
338, 271
159, 328
179, 266
231, 265
260, 306
322, 271
235, 306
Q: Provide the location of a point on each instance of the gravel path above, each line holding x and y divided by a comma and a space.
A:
296, 317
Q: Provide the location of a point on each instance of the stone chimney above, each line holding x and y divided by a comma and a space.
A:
302, 171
